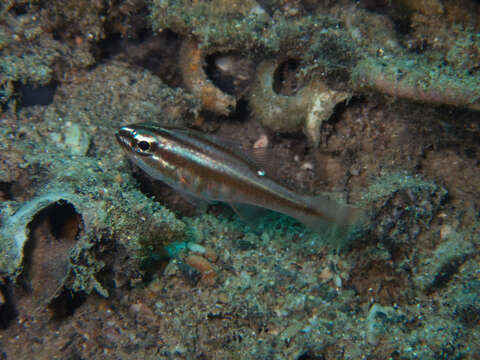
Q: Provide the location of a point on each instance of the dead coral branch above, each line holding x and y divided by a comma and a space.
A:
415, 82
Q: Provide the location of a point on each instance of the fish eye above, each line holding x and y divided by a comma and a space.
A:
143, 145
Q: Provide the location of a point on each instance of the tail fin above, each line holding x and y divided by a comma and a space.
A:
330, 219
330, 211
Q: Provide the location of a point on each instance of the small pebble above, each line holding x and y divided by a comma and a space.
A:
203, 266
307, 166
196, 248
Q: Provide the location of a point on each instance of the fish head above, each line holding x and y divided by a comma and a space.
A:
137, 140
147, 145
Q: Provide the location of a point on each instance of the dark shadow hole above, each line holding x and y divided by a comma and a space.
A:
57, 34
65, 222
309, 355
340, 108
154, 264
241, 112
378, 6
106, 276
445, 274
6, 191
468, 314
229, 72
223, 82
41, 95
285, 77
402, 24
65, 304
20, 9
7, 309
162, 47
471, 153
110, 46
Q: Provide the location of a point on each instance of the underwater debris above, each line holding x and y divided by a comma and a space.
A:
53, 233
76, 139
18, 234
114, 91
36, 247
307, 109
192, 59
234, 24
278, 291
15, 233
41, 95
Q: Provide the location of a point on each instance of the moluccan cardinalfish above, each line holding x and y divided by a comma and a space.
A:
205, 167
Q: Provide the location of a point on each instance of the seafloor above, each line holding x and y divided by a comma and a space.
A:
374, 103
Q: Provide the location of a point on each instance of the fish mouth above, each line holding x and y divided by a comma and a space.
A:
124, 137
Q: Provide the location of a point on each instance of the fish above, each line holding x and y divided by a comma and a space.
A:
209, 168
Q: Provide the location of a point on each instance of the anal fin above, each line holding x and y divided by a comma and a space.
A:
251, 214
200, 204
